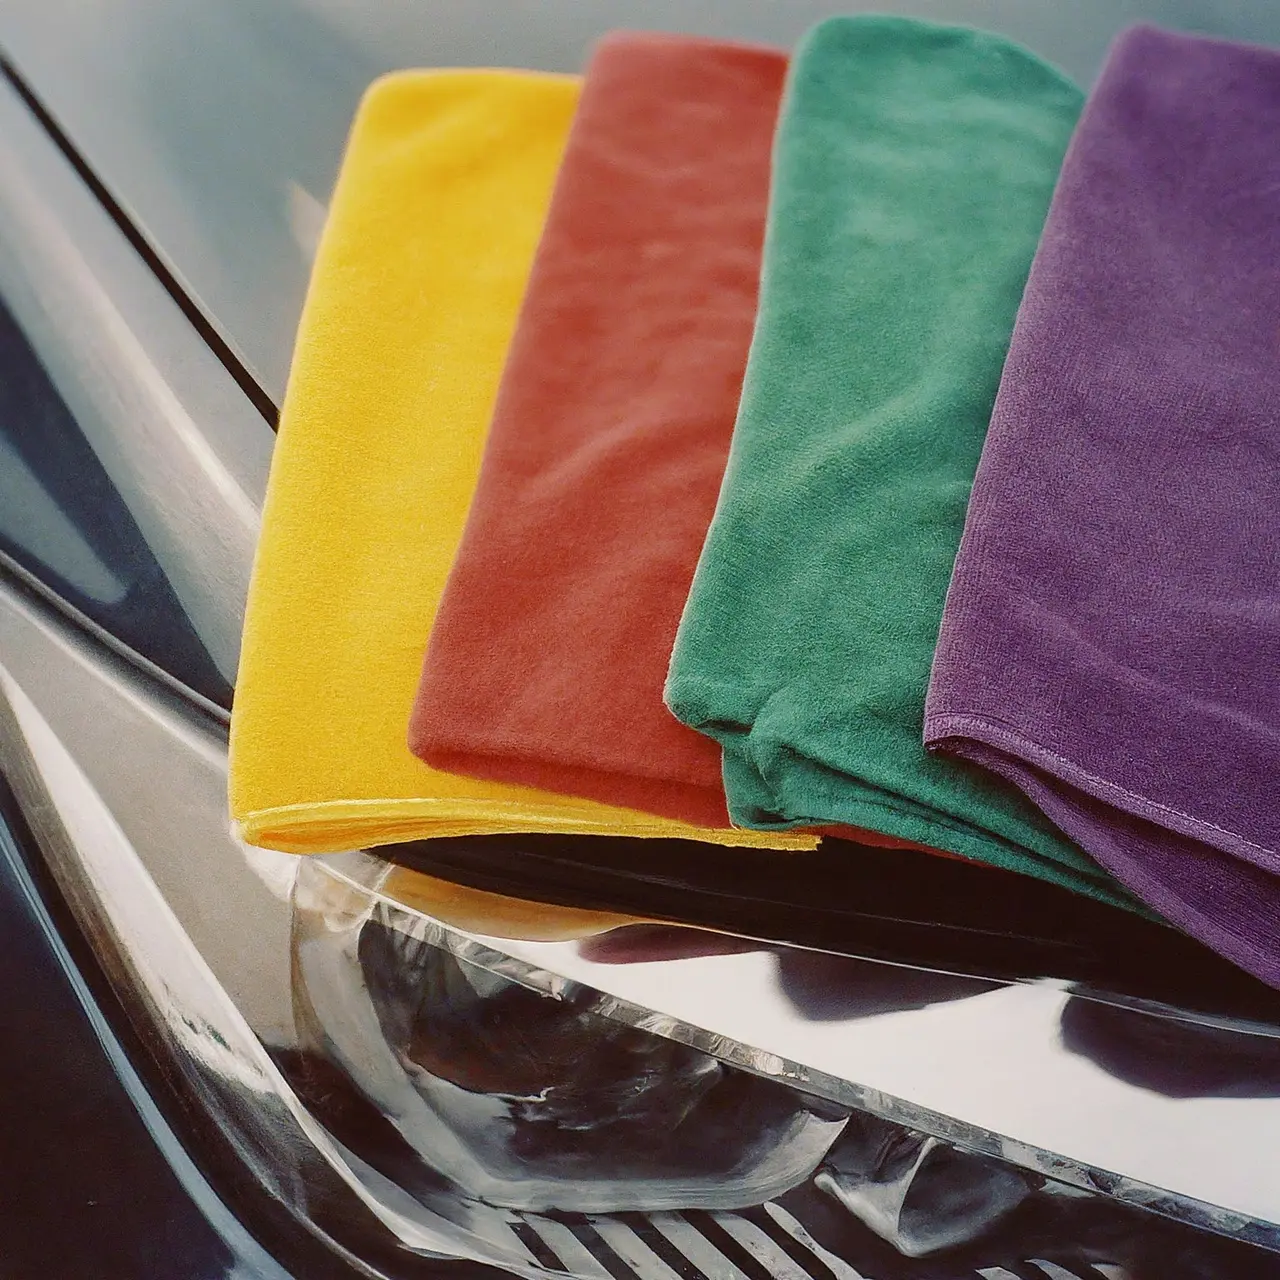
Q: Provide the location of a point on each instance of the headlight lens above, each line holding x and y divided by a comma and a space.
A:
602, 1143
528, 1102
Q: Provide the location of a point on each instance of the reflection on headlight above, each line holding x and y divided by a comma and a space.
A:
916, 1192
534, 1103
586, 1146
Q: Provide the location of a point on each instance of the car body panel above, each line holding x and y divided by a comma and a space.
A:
219, 125
179, 446
76, 1117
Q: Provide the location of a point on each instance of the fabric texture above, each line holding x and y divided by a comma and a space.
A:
610, 436
412, 303
1111, 641
913, 168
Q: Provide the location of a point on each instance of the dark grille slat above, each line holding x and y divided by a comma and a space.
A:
659, 1244
598, 1247
635, 1246
1055, 1270
632, 1249
574, 1258
542, 1252
734, 1250
803, 1257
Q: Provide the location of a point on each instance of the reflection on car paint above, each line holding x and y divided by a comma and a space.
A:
62, 519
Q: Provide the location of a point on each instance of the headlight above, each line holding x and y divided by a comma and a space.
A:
594, 1125
527, 1101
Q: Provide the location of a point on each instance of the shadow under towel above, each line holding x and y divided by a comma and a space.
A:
913, 168
1111, 642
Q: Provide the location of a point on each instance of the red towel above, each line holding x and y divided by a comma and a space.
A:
547, 661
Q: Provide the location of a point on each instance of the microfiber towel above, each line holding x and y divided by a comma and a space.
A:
412, 302
609, 439
913, 168
1111, 641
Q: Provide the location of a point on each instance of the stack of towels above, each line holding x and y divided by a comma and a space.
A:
882, 441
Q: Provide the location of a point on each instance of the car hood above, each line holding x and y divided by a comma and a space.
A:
218, 124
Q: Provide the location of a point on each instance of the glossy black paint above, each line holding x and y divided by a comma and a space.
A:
106, 1170
63, 522
215, 341
896, 905
93, 1182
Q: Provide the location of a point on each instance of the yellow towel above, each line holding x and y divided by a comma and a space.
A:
412, 303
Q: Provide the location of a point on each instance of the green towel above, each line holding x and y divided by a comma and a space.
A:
913, 168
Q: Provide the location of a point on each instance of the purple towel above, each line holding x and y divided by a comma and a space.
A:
1111, 640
